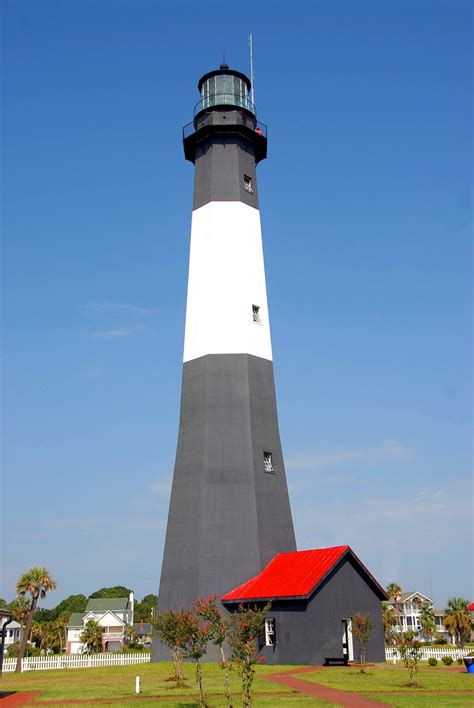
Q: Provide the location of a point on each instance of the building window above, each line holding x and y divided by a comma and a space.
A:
256, 314
248, 185
268, 462
270, 636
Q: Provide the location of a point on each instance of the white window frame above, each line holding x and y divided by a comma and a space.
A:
270, 632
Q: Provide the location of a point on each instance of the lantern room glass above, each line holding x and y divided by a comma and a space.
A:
224, 89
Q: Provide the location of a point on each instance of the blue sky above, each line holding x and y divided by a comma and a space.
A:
366, 224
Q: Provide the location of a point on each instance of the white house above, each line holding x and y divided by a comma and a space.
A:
113, 614
409, 606
12, 633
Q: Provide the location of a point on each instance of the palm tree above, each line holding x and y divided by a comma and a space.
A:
130, 633
394, 593
458, 620
92, 637
36, 582
389, 619
427, 621
61, 623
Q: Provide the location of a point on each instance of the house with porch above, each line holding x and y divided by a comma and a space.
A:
113, 614
314, 595
408, 608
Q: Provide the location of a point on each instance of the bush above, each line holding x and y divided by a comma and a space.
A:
432, 661
447, 660
13, 649
460, 661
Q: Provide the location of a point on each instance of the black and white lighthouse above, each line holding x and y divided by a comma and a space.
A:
229, 512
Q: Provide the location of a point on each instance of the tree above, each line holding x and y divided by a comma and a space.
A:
144, 609
73, 603
36, 582
218, 628
92, 637
394, 592
196, 647
411, 653
116, 591
61, 623
173, 629
389, 619
427, 622
362, 629
246, 626
130, 634
458, 620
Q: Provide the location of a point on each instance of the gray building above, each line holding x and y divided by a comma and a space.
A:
314, 595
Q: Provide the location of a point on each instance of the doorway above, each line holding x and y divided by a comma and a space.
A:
347, 640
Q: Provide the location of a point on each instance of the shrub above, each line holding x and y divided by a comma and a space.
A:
13, 650
447, 660
460, 661
432, 661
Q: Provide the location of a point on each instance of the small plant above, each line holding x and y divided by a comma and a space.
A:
447, 660
247, 625
411, 652
171, 628
432, 661
460, 661
362, 630
218, 628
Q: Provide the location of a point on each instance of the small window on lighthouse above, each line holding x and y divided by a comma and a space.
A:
256, 314
248, 185
268, 462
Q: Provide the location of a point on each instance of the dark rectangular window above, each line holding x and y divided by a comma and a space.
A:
268, 462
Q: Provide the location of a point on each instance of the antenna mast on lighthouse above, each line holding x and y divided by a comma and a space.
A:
251, 68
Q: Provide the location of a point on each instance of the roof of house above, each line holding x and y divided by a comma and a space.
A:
404, 596
471, 607
102, 604
75, 619
295, 575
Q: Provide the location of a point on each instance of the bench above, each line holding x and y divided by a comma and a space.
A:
336, 661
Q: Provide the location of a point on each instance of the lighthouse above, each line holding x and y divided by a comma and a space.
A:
229, 512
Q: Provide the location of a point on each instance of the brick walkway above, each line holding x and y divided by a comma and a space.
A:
17, 699
315, 690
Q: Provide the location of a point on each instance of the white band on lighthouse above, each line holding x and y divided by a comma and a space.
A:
227, 310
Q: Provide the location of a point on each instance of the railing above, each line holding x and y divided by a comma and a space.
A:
392, 654
224, 99
189, 129
76, 661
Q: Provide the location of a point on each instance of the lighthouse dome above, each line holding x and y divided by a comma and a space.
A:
224, 87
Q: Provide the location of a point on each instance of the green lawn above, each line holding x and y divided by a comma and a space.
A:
384, 683
119, 682
420, 701
380, 678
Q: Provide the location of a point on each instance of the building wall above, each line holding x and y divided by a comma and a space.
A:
309, 631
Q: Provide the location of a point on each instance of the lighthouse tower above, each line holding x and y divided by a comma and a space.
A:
229, 512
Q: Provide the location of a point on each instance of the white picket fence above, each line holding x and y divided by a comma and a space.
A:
84, 661
76, 661
392, 654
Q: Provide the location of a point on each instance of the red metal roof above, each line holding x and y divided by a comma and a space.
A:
471, 607
289, 575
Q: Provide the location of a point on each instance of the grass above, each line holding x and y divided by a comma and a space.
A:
420, 701
384, 679
119, 682
384, 683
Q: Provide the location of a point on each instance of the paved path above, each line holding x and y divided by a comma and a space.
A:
16, 699
315, 690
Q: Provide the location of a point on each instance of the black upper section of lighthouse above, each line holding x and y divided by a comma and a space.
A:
223, 110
